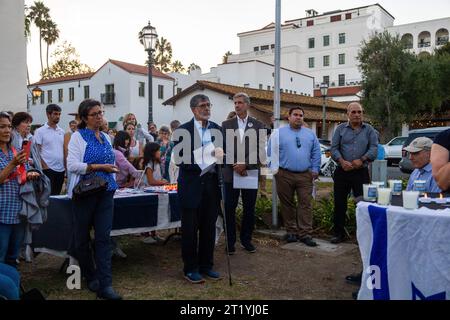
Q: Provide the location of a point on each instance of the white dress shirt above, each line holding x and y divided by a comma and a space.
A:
242, 124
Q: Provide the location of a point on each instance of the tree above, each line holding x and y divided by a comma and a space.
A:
193, 67
443, 50
50, 35
384, 63
177, 66
67, 63
39, 14
163, 55
225, 56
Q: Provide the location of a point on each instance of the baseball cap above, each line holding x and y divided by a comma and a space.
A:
419, 144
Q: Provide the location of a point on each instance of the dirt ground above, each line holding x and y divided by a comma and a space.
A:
155, 272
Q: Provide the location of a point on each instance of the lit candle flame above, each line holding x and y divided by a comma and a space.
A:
426, 196
441, 196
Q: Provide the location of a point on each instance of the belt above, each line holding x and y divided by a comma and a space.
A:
293, 171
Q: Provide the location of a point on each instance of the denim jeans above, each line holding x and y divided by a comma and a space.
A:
96, 211
11, 238
9, 282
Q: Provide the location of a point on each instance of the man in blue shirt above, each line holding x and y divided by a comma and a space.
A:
419, 154
299, 164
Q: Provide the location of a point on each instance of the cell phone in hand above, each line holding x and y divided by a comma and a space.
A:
26, 147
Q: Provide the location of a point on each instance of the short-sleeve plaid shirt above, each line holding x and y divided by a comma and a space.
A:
10, 202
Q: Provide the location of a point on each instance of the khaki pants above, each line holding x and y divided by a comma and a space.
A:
289, 183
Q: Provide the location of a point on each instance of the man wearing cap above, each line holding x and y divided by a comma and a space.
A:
419, 154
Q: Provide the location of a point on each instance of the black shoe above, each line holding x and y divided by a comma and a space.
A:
354, 278
291, 238
249, 247
337, 239
108, 293
231, 250
308, 241
93, 285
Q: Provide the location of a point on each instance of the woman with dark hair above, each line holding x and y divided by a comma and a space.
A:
12, 230
166, 147
135, 145
126, 169
91, 155
21, 132
152, 165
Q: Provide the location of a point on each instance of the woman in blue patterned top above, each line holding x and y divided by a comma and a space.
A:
91, 154
11, 228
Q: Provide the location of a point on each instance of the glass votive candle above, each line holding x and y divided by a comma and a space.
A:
384, 196
396, 187
441, 199
370, 192
425, 199
379, 184
420, 185
410, 199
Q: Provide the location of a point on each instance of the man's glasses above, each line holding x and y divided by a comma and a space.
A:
205, 105
356, 112
299, 144
96, 114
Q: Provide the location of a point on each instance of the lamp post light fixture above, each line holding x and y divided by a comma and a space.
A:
148, 37
324, 92
35, 94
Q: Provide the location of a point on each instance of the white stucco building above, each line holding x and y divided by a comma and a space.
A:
325, 46
122, 88
13, 63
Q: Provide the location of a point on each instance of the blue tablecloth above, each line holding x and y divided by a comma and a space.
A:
132, 214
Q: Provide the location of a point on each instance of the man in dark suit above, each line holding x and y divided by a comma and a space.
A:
199, 195
244, 132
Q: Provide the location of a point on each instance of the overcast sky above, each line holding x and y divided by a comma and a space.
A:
200, 31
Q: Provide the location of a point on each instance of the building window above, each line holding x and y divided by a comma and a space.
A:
268, 88
336, 18
33, 100
86, 92
266, 47
311, 62
246, 85
348, 16
43, 97
256, 49
341, 38
71, 94
341, 80
342, 58
326, 79
141, 89
179, 90
160, 91
326, 61
326, 41
311, 43
60, 95
49, 96
260, 86
309, 23
272, 46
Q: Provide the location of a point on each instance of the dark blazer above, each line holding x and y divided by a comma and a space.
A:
259, 148
190, 183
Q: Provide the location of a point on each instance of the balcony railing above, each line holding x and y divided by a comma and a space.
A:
424, 44
108, 98
441, 41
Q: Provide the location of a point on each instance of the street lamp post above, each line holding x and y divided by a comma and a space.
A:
148, 38
324, 92
35, 94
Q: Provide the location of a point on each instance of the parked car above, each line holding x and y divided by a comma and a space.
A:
325, 142
393, 150
327, 165
405, 164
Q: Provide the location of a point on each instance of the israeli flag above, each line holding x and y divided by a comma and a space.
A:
405, 253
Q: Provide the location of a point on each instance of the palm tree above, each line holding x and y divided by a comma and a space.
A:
177, 66
50, 35
225, 56
39, 14
193, 67
163, 55
27, 35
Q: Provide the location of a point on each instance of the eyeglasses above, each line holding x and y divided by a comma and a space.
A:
96, 114
356, 112
205, 105
299, 144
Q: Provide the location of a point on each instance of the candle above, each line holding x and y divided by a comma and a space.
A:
384, 196
441, 199
396, 187
379, 184
420, 185
410, 199
425, 199
370, 192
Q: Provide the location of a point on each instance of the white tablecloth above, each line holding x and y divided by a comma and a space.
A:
405, 253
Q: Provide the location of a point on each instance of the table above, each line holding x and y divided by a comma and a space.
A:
133, 213
405, 253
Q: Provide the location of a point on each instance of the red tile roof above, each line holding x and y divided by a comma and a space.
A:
339, 92
135, 68
84, 76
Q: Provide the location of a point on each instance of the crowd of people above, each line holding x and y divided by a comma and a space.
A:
133, 157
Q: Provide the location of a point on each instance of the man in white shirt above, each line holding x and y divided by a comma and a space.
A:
50, 141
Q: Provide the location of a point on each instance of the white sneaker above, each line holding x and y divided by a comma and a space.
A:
28, 254
149, 240
118, 252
